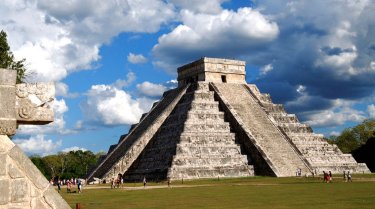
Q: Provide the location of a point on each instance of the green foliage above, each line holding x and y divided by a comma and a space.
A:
352, 138
66, 165
8, 61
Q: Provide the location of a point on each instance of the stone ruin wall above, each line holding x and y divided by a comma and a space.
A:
22, 185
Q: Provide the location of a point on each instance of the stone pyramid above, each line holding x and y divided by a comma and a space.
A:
213, 125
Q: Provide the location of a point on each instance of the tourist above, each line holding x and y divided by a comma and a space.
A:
68, 186
112, 183
79, 185
144, 181
59, 186
349, 177
330, 176
121, 182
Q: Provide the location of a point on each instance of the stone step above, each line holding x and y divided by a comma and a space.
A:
193, 150
192, 127
284, 118
198, 96
273, 108
295, 127
198, 105
202, 140
208, 161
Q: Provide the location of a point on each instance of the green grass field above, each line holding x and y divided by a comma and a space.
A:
255, 192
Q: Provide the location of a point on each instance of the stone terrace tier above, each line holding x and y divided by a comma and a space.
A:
321, 155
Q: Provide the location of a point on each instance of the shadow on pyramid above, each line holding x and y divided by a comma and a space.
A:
214, 125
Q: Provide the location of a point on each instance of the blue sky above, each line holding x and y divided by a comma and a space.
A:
110, 60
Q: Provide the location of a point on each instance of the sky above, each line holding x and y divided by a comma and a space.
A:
110, 60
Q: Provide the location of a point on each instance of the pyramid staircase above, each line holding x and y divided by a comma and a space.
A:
282, 158
193, 142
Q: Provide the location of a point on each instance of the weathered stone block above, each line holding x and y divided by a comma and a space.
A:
54, 199
20, 190
7, 95
5, 144
3, 164
39, 203
14, 172
4, 191
25, 164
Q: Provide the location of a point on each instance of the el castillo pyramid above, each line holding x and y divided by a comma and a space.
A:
213, 125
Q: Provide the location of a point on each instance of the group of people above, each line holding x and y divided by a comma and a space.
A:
118, 182
327, 177
347, 176
69, 184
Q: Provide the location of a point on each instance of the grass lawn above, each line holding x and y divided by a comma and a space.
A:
254, 192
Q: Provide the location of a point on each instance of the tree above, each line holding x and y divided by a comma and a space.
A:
8, 61
352, 138
66, 165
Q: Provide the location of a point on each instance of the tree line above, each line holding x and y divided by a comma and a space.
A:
358, 141
66, 165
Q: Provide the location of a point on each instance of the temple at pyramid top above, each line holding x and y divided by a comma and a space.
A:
214, 125
212, 70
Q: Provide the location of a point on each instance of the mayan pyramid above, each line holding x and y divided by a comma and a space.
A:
213, 125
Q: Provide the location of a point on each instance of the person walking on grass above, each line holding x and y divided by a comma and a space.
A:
144, 181
349, 177
330, 176
79, 185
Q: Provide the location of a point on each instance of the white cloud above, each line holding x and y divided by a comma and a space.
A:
37, 145
59, 37
136, 58
108, 105
334, 133
62, 89
211, 6
338, 115
266, 69
225, 33
151, 89
371, 110
130, 78
75, 148
57, 126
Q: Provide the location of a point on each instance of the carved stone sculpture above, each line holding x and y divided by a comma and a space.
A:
23, 103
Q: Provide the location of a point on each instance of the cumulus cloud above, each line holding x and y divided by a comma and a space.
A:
198, 6
75, 148
371, 110
62, 90
266, 69
228, 33
340, 113
108, 105
136, 58
130, 78
57, 126
59, 37
37, 145
151, 89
